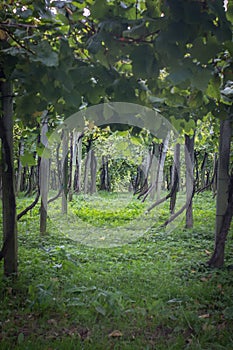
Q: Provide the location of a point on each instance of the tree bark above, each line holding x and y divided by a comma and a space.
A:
223, 193
215, 174
189, 160
105, 184
159, 180
79, 164
175, 177
9, 250
70, 177
64, 172
44, 177
217, 259
20, 167
1, 166
77, 161
36, 200
154, 164
87, 169
203, 170
196, 166
93, 166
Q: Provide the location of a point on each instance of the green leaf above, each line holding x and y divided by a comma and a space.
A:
213, 89
101, 9
72, 99
170, 52
101, 310
193, 12
179, 75
43, 151
28, 159
228, 90
62, 18
78, 4
178, 32
229, 12
200, 78
137, 31
227, 93
204, 52
20, 338
228, 313
195, 100
153, 8
189, 126
45, 54
82, 289
14, 51
122, 145
123, 90
28, 104
143, 62
94, 94
135, 140
94, 44
154, 99
175, 100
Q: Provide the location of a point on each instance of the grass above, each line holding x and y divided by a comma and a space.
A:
153, 293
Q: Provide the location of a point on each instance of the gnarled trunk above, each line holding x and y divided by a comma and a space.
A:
224, 195
9, 250
189, 160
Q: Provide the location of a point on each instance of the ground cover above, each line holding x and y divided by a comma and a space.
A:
152, 293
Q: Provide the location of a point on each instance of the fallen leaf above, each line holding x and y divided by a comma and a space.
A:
52, 321
205, 279
207, 327
9, 290
219, 286
3, 35
115, 334
204, 316
207, 252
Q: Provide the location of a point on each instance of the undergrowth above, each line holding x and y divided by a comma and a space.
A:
154, 293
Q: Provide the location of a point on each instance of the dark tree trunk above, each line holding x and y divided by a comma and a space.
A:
203, 170
77, 162
159, 179
44, 177
93, 172
1, 167
30, 182
70, 177
189, 160
36, 200
215, 174
87, 168
64, 172
20, 167
197, 180
9, 250
175, 177
224, 195
104, 175
217, 259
